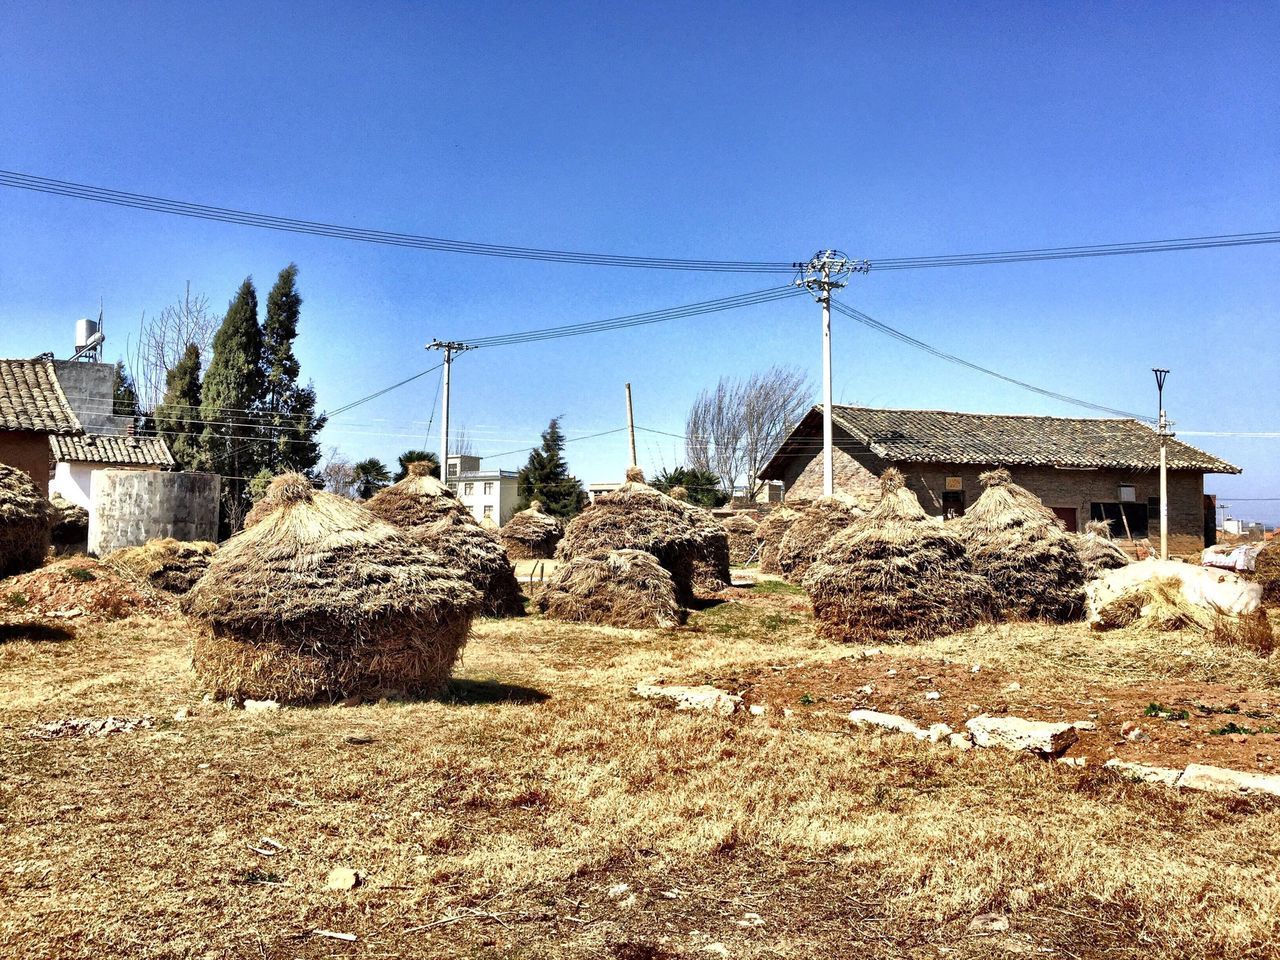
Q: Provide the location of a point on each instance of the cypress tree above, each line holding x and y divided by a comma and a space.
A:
288, 408
124, 395
546, 478
177, 417
230, 443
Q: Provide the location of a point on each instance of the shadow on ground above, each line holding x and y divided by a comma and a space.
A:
474, 692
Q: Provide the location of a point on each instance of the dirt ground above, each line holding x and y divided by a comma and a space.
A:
537, 810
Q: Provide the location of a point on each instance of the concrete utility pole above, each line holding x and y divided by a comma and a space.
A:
450, 347
1164, 464
631, 427
828, 270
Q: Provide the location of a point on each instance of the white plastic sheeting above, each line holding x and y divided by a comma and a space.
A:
1213, 590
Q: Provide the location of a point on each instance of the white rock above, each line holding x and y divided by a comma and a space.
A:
887, 721
706, 698
1200, 776
260, 706
938, 732
182, 714
1085, 726
976, 668
1073, 761
788, 712
1014, 733
618, 891
872, 652
960, 741
891, 673
343, 878
1013, 687
758, 710
719, 949
933, 695
989, 923
1145, 772
867, 690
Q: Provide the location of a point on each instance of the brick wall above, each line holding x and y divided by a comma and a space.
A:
28, 452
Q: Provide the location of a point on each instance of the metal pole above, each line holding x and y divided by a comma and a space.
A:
631, 427
828, 434
444, 418
1164, 465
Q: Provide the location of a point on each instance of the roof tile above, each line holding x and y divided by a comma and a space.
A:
101, 448
31, 399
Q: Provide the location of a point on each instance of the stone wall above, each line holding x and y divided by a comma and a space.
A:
29, 452
89, 388
130, 507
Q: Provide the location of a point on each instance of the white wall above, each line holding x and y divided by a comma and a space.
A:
72, 481
501, 498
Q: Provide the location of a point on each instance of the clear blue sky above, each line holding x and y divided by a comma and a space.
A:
740, 131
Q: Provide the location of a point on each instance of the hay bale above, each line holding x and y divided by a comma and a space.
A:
168, 564
808, 534
478, 553
744, 541
1019, 545
430, 513
26, 519
1266, 573
321, 598
1098, 552
711, 554
532, 534
70, 521
770, 533
615, 588
896, 575
637, 517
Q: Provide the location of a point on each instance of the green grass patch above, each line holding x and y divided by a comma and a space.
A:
776, 586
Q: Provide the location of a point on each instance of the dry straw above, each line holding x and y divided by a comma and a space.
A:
711, 560
616, 588
1098, 552
770, 533
170, 565
637, 517
321, 598
26, 519
532, 534
432, 515
744, 543
1266, 572
1018, 544
70, 521
897, 575
813, 528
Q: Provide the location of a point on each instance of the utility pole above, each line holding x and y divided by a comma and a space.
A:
1164, 464
631, 427
828, 270
450, 347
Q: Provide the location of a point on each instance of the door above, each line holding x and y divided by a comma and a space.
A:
1068, 517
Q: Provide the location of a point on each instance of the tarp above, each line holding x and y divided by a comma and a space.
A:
1213, 590
1239, 557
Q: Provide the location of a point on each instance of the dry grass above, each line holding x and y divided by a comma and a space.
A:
26, 519
505, 811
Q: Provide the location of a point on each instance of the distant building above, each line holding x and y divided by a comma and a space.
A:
486, 493
596, 489
1082, 469
33, 409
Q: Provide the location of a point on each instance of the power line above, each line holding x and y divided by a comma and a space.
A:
592, 436
884, 328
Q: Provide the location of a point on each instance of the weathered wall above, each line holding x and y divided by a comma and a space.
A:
89, 388
29, 452
131, 507
857, 470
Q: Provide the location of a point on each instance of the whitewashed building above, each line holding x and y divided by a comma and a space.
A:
486, 493
76, 457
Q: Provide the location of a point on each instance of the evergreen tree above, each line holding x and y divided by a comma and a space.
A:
370, 476
416, 456
124, 395
546, 478
177, 417
703, 485
288, 407
230, 444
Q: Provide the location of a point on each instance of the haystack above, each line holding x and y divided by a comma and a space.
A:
637, 517
1164, 595
1266, 572
170, 565
813, 528
532, 534
430, 514
615, 588
25, 522
711, 558
321, 598
489, 524
770, 533
1020, 546
1098, 552
744, 543
896, 575
70, 521
478, 553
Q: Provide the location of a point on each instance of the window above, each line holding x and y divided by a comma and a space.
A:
1128, 493
468, 489
488, 488
952, 504
488, 508
453, 468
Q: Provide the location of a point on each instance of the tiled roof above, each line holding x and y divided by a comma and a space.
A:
99, 448
31, 399
939, 436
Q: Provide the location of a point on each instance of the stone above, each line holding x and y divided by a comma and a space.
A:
1073, 761
989, 923
1132, 732
758, 710
938, 732
867, 690
1201, 776
976, 668
1014, 733
872, 652
704, 699
887, 721
182, 714
343, 878
260, 706
718, 949
1085, 726
960, 741
933, 695
1145, 772
1013, 687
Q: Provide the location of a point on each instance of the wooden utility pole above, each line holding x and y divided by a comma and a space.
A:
631, 427
450, 347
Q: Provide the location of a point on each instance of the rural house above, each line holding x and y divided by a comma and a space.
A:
1083, 469
33, 409
486, 493
76, 457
